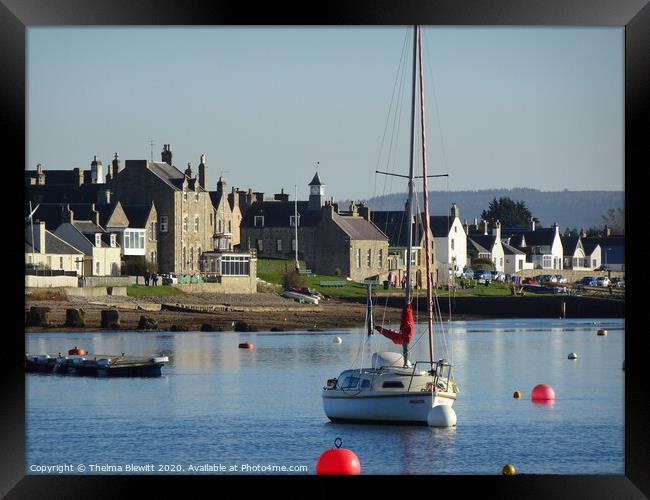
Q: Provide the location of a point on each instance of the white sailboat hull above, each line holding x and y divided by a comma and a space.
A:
374, 407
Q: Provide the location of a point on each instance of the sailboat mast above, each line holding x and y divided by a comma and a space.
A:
425, 199
409, 203
295, 223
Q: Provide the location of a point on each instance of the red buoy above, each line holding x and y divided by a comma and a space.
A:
542, 392
246, 345
77, 350
338, 461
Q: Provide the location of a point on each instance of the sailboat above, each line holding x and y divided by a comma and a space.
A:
394, 389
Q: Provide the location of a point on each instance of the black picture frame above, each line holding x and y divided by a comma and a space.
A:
17, 15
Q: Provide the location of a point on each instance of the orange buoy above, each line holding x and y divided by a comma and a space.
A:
77, 350
246, 345
338, 461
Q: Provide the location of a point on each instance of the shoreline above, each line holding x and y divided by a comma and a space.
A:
271, 312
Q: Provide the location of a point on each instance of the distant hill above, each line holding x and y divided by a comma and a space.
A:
573, 209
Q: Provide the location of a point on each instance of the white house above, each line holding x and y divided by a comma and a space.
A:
50, 251
491, 242
542, 246
514, 260
450, 243
100, 248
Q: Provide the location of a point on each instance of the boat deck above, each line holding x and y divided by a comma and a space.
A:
106, 365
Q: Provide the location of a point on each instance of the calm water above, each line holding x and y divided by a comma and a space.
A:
219, 405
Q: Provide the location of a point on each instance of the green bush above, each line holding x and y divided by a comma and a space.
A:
292, 279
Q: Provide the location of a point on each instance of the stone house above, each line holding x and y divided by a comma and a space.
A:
223, 218
185, 213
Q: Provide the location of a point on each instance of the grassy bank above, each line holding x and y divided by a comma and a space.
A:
152, 291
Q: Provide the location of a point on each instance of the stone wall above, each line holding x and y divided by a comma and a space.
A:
94, 281
229, 284
50, 281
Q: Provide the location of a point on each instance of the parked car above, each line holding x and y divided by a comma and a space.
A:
560, 278
529, 281
499, 276
169, 279
483, 276
588, 280
602, 281
618, 282
468, 273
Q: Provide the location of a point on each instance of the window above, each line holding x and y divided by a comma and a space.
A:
78, 262
163, 223
501, 261
49, 262
258, 221
393, 385
152, 234
455, 229
230, 226
196, 224
369, 258
112, 240
60, 262
211, 222
278, 245
521, 264
292, 220
546, 261
97, 269
350, 383
358, 258
452, 244
98, 240
184, 260
196, 197
380, 258
235, 265
260, 245
191, 258
141, 239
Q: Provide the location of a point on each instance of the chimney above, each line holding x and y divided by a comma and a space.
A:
454, 212
496, 230
68, 215
583, 233
233, 197
115, 166
364, 211
608, 231
166, 154
257, 196
40, 234
328, 210
97, 171
203, 172
281, 196
484, 223
353, 209
78, 176
94, 214
104, 197
532, 224
556, 226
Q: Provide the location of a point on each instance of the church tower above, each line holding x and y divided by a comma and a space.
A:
316, 194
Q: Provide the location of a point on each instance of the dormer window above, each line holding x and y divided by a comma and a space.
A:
113, 240
258, 221
292, 220
98, 239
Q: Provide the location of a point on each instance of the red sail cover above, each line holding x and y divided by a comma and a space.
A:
406, 327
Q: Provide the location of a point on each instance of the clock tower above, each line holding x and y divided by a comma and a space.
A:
316, 194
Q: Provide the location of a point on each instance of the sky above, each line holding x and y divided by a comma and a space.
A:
538, 107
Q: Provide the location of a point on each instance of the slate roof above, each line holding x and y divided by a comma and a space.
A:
358, 228
471, 243
59, 177
59, 193
393, 224
510, 250
277, 213
486, 241
614, 246
137, 214
170, 175
537, 238
569, 244
52, 213
440, 225
53, 244
315, 181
